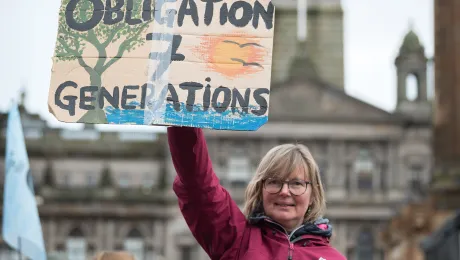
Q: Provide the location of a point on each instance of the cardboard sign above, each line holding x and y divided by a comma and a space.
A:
199, 63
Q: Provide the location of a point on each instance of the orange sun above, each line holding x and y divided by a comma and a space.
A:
231, 56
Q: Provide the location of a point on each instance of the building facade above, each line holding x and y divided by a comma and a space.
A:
109, 190
427, 227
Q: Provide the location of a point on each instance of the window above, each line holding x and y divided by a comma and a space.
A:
364, 170
91, 179
411, 87
365, 245
67, 178
137, 136
416, 173
76, 245
365, 182
136, 247
33, 133
349, 176
83, 134
76, 248
416, 184
383, 177
148, 180
186, 253
134, 244
150, 254
239, 170
124, 180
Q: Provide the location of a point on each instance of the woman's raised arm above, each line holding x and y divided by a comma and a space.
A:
212, 216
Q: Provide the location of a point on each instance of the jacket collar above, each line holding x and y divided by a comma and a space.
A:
319, 227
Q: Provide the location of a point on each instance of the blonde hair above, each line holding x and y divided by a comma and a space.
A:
114, 255
280, 162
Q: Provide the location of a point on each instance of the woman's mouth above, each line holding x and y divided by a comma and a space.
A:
284, 205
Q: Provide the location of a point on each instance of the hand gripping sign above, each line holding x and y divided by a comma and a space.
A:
199, 63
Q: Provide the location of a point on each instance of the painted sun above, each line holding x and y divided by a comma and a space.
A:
231, 56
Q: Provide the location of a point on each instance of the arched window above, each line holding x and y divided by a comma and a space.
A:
411, 87
134, 243
76, 245
365, 245
364, 169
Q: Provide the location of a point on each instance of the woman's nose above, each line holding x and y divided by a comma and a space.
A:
285, 189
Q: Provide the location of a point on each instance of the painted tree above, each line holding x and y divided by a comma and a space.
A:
72, 43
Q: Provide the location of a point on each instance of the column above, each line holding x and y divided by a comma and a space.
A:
110, 234
51, 230
100, 239
159, 233
447, 92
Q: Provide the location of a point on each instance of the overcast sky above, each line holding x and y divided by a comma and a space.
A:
373, 29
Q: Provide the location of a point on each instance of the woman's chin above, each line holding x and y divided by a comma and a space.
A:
283, 216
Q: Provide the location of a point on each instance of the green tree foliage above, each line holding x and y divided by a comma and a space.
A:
71, 44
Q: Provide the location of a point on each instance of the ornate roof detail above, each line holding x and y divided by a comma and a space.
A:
411, 43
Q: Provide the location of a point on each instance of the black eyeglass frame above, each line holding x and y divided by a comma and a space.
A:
288, 184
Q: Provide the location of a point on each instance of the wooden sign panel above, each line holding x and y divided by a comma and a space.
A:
200, 63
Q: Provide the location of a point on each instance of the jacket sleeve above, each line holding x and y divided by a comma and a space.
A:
211, 214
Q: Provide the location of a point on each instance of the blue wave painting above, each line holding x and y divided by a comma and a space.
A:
120, 116
227, 120
212, 119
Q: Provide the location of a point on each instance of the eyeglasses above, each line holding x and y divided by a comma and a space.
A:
296, 187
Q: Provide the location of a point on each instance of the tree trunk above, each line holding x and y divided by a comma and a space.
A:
96, 116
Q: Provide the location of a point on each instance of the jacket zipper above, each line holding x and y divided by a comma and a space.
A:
291, 248
291, 244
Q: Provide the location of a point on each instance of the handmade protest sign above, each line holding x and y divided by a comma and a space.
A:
200, 63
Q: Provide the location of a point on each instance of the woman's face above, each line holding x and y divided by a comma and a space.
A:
284, 207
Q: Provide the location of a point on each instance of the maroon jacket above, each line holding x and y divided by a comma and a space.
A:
218, 224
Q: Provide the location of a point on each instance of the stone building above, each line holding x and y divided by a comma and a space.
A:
427, 227
110, 190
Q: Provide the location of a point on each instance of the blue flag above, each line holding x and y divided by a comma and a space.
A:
21, 222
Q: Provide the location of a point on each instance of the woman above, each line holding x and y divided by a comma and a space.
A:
282, 214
